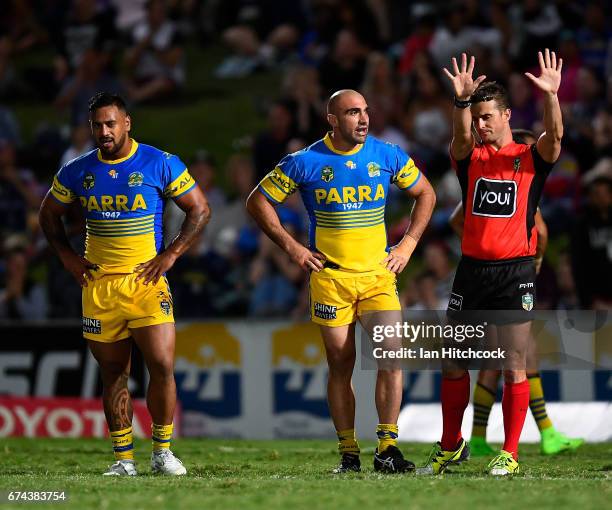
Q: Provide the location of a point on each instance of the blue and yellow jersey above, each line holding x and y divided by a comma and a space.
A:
345, 194
123, 202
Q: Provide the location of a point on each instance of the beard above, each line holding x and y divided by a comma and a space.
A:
350, 136
115, 147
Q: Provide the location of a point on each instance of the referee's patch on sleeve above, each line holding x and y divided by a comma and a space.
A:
327, 312
455, 301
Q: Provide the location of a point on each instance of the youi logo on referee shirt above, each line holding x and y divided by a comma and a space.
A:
494, 197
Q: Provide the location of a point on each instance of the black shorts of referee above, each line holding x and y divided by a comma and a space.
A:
497, 292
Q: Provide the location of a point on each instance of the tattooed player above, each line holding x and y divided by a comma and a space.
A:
122, 187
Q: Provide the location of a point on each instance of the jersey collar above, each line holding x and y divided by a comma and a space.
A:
328, 143
120, 160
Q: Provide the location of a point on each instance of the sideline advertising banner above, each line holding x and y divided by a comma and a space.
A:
264, 380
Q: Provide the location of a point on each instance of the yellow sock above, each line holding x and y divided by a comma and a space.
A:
161, 436
347, 442
484, 398
123, 444
537, 404
387, 436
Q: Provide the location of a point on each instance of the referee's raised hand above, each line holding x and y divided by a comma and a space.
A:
463, 83
550, 72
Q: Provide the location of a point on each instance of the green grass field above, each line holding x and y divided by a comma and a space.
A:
236, 474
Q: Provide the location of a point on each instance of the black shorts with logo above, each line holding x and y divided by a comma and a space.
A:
498, 292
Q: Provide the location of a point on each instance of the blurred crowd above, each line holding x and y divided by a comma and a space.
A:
391, 50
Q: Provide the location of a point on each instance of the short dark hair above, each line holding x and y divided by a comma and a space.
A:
489, 91
102, 99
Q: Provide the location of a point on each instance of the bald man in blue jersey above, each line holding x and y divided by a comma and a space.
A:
344, 182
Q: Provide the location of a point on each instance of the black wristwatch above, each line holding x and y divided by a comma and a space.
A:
462, 104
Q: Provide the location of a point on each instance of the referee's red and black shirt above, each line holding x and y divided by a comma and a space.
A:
501, 190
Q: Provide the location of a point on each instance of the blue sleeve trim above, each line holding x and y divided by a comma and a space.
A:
280, 188
186, 191
267, 195
59, 201
417, 180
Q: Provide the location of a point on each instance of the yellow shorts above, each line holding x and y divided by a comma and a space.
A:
115, 303
340, 301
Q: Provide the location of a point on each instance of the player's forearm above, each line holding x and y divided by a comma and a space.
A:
267, 218
553, 120
420, 216
53, 228
463, 139
195, 220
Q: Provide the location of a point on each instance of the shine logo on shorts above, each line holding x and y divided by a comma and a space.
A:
93, 326
327, 312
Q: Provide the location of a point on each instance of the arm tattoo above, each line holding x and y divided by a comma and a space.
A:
54, 231
192, 225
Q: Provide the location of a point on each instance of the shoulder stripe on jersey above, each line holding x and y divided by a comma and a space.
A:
402, 185
408, 175
61, 192
277, 185
268, 195
273, 191
281, 179
180, 185
273, 182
